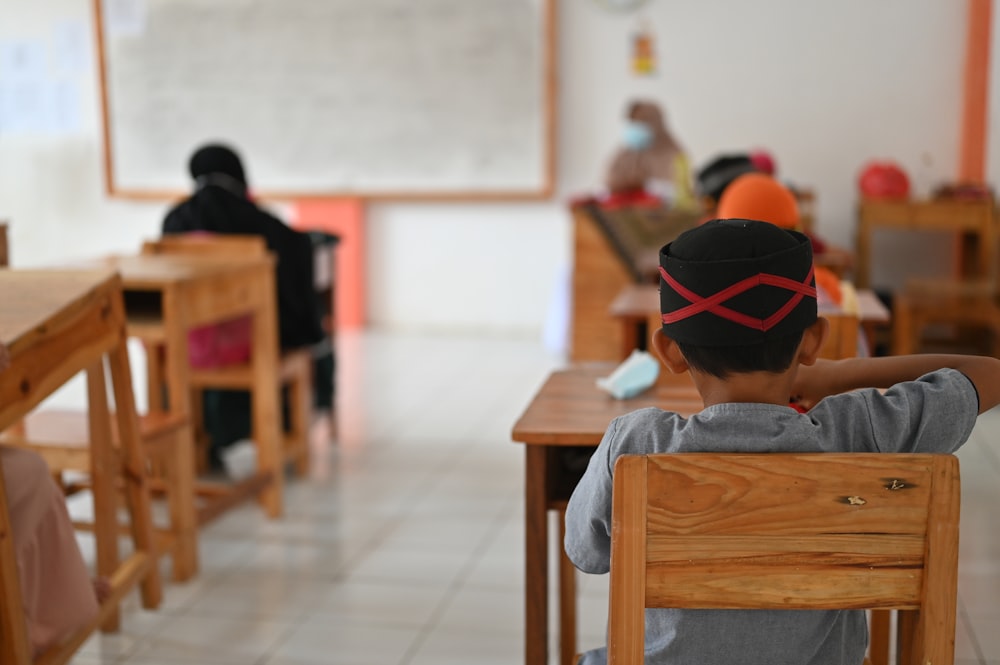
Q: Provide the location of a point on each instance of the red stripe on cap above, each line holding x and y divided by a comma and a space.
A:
713, 304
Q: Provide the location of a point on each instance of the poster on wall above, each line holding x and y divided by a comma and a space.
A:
643, 50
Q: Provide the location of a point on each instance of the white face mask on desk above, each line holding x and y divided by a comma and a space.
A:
636, 374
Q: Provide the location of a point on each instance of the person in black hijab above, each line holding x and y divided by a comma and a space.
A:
220, 204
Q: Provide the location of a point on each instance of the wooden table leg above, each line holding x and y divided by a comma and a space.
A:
536, 542
567, 600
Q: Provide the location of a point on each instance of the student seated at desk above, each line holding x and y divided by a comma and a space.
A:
221, 204
58, 594
747, 356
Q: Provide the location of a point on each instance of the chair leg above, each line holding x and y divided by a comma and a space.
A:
300, 406
134, 471
906, 629
155, 380
200, 441
878, 644
103, 473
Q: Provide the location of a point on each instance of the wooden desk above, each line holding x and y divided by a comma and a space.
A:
57, 324
637, 308
569, 411
168, 295
973, 220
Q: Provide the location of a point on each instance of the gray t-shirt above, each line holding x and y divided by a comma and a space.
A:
934, 414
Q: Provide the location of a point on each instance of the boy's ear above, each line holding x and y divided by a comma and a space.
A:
668, 352
812, 341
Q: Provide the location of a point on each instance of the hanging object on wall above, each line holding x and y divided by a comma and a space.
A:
643, 50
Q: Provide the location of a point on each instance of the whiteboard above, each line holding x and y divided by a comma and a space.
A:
391, 98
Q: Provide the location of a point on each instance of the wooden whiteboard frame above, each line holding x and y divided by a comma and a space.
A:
548, 15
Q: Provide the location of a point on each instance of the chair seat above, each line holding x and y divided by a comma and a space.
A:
64, 428
291, 365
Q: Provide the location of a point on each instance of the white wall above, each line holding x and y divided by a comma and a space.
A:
824, 85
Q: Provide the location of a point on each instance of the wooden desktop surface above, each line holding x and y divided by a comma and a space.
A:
570, 410
49, 316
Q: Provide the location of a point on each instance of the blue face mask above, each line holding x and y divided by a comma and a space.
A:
637, 135
633, 376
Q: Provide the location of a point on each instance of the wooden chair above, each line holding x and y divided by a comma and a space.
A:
51, 340
842, 339
122, 575
969, 302
295, 366
63, 439
787, 531
962, 305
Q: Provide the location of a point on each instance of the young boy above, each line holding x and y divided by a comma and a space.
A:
739, 313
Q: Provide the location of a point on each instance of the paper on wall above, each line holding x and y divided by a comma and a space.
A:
22, 59
125, 18
71, 47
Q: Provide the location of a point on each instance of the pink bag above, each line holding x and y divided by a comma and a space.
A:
221, 344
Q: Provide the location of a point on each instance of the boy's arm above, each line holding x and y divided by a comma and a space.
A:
588, 514
830, 377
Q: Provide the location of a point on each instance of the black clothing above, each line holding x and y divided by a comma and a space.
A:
218, 210
220, 206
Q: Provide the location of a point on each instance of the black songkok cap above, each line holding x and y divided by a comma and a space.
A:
736, 282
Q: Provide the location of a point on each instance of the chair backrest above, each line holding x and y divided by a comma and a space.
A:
209, 244
787, 531
842, 339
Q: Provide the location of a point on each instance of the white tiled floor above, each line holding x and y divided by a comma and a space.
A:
406, 545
